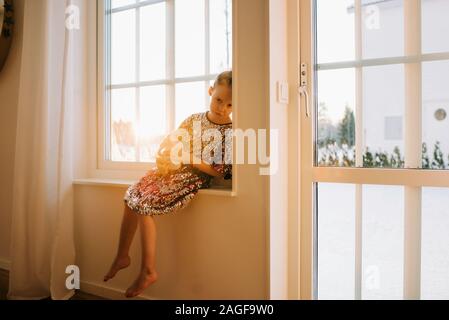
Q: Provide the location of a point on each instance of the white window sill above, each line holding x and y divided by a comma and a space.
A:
215, 191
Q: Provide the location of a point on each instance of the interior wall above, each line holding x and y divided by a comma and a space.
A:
218, 247
279, 122
293, 58
9, 94
284, 189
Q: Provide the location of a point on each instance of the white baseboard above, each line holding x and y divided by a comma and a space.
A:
5, 264
103, 291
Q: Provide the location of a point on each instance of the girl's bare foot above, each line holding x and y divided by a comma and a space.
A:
143, 281
117, 265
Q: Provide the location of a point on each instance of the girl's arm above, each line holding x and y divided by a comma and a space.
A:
207, 169
164, 158
204, 167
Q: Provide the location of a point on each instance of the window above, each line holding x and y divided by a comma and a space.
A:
370, 61
159, 59
372, 211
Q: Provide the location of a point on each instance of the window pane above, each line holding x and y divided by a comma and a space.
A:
383, 28
383, 242
190, 99
153, 121
435, 244
152, 42
220, 35
336, 118
123, 47
131, 68
123, 129
335, 30
336, 246
383, 116
435, 26
435, 115
190, 36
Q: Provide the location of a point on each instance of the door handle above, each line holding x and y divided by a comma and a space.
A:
302, 90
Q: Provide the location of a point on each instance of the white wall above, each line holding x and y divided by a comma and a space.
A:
284, 190
293, 135
279, 122
9, 88
218, 248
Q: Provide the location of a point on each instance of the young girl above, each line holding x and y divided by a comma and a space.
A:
169, 188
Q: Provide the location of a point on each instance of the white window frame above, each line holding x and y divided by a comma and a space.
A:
413, 180
134, 169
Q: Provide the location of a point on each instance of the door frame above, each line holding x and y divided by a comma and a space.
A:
413, 180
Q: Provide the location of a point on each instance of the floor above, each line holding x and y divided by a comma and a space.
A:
4, 276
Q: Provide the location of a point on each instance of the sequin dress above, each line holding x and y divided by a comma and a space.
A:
159, 194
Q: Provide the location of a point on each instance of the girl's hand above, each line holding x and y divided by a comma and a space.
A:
224, 170
165, 163
208, 169
163, 158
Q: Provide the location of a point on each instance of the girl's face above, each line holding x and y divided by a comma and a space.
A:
221, 101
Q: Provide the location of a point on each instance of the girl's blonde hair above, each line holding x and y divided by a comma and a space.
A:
224, 78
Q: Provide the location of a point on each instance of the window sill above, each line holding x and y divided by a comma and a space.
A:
215, 191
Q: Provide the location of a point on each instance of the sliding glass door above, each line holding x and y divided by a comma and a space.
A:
374, 149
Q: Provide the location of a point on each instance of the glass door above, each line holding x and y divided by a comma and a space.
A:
374, 149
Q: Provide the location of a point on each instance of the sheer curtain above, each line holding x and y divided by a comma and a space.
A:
51, 88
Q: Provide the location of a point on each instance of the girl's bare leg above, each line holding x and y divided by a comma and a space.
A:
148, 274
128, 230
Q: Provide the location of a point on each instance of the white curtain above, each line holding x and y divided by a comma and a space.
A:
51, 82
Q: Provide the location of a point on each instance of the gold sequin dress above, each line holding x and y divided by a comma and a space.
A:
158, 194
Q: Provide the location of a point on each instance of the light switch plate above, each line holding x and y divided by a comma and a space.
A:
283, 93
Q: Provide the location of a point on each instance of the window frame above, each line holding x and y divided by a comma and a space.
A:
413, 180
134, 169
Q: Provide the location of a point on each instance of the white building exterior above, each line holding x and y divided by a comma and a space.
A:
383, 96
